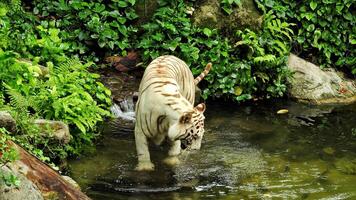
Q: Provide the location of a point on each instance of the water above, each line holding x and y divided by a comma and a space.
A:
124, 109
248, 152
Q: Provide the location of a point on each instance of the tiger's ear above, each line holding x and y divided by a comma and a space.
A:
186, 118
200, 107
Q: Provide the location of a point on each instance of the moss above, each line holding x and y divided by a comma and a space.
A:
209, 14
346, 165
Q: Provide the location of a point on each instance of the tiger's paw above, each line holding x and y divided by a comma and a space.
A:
171, 161
145, 166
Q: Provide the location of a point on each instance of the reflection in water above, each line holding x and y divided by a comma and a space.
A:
248, 152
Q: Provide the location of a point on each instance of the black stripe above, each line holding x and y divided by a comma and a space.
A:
177, 95
159, 122
148, 124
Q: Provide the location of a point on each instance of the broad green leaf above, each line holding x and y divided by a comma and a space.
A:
207, 32
313, 5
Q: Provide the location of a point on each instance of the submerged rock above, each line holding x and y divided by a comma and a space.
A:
313, 85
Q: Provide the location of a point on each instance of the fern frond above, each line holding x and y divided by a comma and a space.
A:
2, 99
17, 100
69, 66
280, 47
269, 58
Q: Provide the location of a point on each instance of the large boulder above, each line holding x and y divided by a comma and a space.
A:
145, 10
208, 13
311, 84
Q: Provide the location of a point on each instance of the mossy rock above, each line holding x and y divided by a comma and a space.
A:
346, 165
209, 14
145, 10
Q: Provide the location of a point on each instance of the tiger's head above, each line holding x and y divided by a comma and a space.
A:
194, 132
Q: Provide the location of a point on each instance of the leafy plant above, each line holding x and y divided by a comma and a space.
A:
68, 93
90, 27
325, 30
254, 66
7, 155
227, 5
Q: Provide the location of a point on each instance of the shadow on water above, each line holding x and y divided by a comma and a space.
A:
248, 152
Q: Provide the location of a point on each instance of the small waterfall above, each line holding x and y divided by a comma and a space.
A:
124, 109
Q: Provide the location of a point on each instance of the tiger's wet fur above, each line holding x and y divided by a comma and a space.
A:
165, 109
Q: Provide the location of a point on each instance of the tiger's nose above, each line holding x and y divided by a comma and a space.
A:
183, 145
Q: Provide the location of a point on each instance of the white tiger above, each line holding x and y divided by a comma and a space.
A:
164, 109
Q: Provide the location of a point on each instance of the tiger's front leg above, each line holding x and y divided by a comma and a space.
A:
143, 155
173, 153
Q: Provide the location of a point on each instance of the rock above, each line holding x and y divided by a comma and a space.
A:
7, 121
145, 10
40, 69
313, 85
26, 189
72, 182
38, 180
54, 129
346, 165
209, 14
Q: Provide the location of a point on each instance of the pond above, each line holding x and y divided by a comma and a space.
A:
248, 152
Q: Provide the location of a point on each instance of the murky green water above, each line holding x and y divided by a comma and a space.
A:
249, 152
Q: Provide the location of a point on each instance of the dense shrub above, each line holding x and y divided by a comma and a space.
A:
91, 28
326, 31
245, 65
62, 89
68, 93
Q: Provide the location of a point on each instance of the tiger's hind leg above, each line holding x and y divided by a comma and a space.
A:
173, 153
143, 154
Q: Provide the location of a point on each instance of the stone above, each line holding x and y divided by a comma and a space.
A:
71, 181
346, 165
54, 129
38, 180
7, 121
26, 189
311, 84
145, 10
209, 14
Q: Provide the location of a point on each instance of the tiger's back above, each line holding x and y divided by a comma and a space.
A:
170, 69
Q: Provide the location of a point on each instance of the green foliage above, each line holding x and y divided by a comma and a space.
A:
90, 27
7, 155
68, 93
325, 30
20, 33
255, 66
227, 5
73, 95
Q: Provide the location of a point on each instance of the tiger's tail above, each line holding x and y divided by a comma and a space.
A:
203, 74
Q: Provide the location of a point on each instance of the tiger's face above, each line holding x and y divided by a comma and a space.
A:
194, 133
